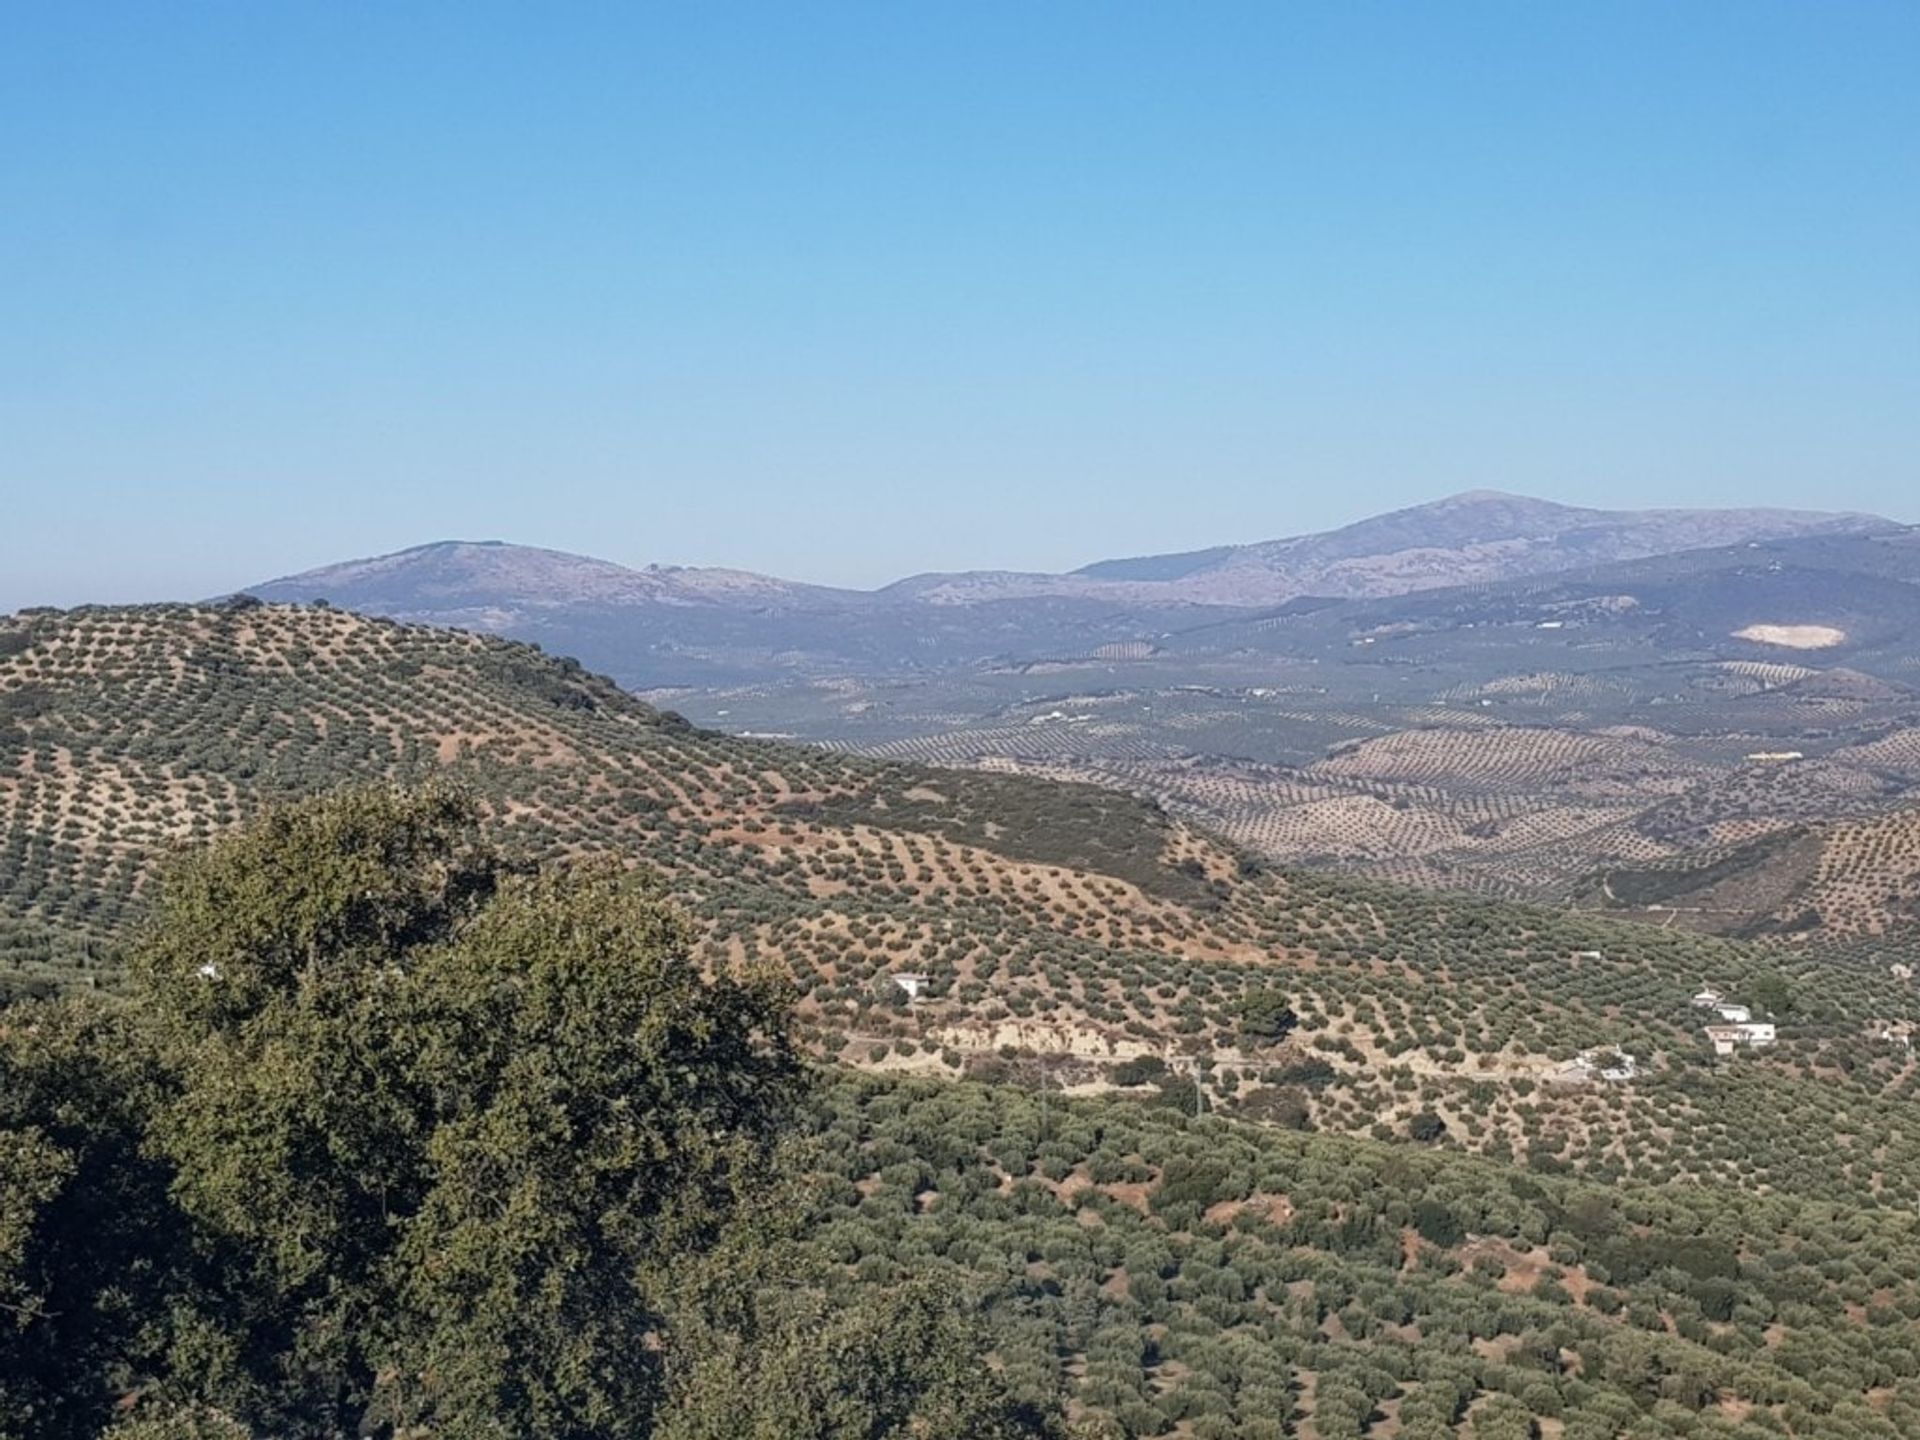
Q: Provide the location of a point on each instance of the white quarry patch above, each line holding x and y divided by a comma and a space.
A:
1794, 637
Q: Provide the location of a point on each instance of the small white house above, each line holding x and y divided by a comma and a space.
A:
1733, 1014
1589, 955
1708, 999
1605, 1063
1752, 1035
1623, 1067
1894, 1032
912, 985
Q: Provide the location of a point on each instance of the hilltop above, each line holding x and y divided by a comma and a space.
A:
1475, 537
491, 578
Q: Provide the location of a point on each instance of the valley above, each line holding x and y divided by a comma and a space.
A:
1679, 713
1524, 739
1070, 949
974, 722
1035, 911
1191, 937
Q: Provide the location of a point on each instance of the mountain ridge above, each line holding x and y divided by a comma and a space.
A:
1458, 539
1471, 518
666, 624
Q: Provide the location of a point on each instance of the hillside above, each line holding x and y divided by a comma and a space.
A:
1510, 738
1483, 1226
1852, 879
1472, 538
1063, 921
1198, 1279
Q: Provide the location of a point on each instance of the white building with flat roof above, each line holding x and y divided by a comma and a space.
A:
1752, 1035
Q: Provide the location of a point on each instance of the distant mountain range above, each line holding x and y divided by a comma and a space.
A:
1478, 536
666, 625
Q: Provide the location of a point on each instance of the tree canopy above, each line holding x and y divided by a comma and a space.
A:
402, 1137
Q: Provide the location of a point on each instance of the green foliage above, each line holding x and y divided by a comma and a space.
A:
601, 1112
446, 1117
1772, 993
400, 1137
902, 1361
1267, 1015
90, 1249
1238, 1280
1141, 1070
177, 1422
1437, 1223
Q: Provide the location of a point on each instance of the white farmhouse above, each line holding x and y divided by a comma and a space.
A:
1617, 1066
912, 985
1733, 1014
1752, 1035
1605, 1062
1708, 999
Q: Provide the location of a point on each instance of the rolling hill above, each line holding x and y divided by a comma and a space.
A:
1517, 737
1062, 920
1484, 1233
1513, 738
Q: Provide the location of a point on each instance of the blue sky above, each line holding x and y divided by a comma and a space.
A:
844, 291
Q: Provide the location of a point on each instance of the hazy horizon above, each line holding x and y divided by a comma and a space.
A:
904, 574
848, 294
255, 577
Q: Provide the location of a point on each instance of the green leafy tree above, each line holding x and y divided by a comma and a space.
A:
1773, 994
90, 1248
603, 1111
1267, 1015
902, 1362
447, 1121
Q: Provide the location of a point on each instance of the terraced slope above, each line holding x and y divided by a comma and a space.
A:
1511, 738
1528, 812
1851, 880
1066, 929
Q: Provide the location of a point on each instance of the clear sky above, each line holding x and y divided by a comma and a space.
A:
846, 291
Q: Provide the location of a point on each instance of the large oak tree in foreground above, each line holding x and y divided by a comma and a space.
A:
454, 1147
